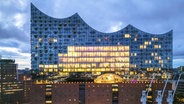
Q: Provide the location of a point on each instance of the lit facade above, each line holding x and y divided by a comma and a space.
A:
70, 45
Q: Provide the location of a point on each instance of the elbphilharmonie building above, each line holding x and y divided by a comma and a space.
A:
70, 45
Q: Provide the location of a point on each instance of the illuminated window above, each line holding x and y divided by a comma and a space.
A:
150, 61
159, 46
135, 54
132, 72
127, 36
146, 61
54, 40
48, 93
55, 66
48, 102
55, 70
156, 46
152, 54
46, 66
149, 69
50, 70
141, 47
161, 61
159, 57
149, 43
40, 66
154, 39
156, 57
144, 46
97, 58
40, 39
126, 47
115, 90
146, 42
135, 39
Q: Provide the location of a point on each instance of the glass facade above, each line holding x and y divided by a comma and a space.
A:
71, 45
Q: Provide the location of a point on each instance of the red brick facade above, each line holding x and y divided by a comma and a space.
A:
71, 93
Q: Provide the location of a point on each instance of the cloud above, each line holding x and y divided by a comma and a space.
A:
13, 32
19, 20
23, 59
116, 27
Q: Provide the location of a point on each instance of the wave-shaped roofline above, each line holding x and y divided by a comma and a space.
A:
77, 15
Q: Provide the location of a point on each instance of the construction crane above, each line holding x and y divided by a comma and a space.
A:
144, 94
170, 97
160, 93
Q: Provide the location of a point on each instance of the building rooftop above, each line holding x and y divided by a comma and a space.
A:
76, 15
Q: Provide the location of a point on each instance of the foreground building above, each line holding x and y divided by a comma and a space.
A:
95, 93
68, 45
11, 90
8, 70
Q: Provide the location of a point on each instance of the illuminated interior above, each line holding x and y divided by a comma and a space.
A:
108, 78
95, 59
92, 59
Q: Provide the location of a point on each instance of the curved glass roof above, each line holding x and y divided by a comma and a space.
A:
76, 15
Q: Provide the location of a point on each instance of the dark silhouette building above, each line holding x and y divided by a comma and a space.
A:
11, 90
